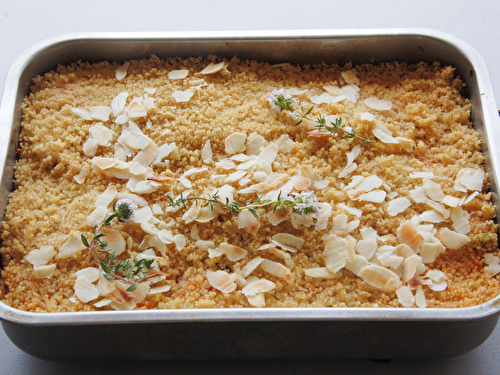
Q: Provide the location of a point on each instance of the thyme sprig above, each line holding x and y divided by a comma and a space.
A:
281, 101
126, 271
304, 203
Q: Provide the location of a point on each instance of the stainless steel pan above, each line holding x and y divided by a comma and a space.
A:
253, 333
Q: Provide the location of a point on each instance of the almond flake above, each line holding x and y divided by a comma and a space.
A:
398, 205
235, 143
40, 257
82, 175
121, 72
101, 113
86, 115
178, 74
73, 245
221, 280
44, 272
251, 266
206, 152
405, 296
334, 253
160, 289
451, 239
256, 286
322, 273
183, 96
349, 76
378, 104
380, 278
288, 241
277, 269
214, 68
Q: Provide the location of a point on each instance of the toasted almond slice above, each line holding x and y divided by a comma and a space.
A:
277, 269
134, 139
248, 222
405, 296
269, 153
147, 155
221, 280
375, 196
97, 216
255, 143
214, 68
235, 143
178, 74
102, 135
460, 219
288, 241
301, 183
40, 257
366, 248
86, 115
257, 300
420, 298
164, 151
251, 266
398, 205
91, 273
142, 214
121, 72
324, 213
255, 286
107, 196
284, 143
378, 104
160, 289
493, 264
183, 96
433, 190
233, 253
282, 255
404, 251
380, 278
85, 291
431, 216
90, 147
72, 246
322, 273
44, 272
136, 110
390, 260
472, 179
408, 234
410, 267
206, 152
333, 90
334, 253
451, 239
82, 175
104, 302
118, 103
452, 201
325, 97
235, 176
350, 76
430, 251
115, 240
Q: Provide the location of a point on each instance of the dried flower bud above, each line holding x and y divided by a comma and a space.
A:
124, 210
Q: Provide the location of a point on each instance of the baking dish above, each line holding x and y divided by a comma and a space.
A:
253, 333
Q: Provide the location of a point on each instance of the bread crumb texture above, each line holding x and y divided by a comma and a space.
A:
395, 224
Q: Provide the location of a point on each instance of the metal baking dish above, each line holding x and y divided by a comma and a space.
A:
253, 333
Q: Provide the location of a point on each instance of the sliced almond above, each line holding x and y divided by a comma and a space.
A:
221, 280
